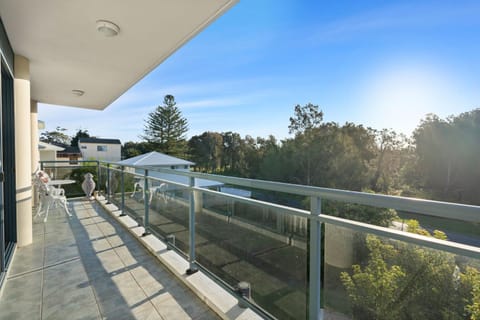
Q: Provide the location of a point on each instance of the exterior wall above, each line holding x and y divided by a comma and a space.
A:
23, 159
48, 155
34, 134
90, 151
71, 162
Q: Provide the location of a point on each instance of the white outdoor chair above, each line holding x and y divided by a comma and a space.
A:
50, 196
160, 189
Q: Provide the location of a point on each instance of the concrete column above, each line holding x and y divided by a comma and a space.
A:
34, 129
35, 151
23, 151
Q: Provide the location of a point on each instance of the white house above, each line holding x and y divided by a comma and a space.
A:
100, 149
70, 154
48, 152
159, 160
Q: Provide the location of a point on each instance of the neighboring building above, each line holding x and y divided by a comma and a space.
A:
100, 149
157, 160
48, 152
70, 154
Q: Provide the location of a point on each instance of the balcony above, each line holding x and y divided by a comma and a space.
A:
296, 261
89, 267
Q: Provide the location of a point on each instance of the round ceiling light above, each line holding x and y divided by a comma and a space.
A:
78, 92
107, 28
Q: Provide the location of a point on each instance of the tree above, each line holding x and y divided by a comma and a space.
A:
305, 118
472, 279
56, 137
447, 156
206, 151
232, 151
421, 283
375, 288
166, 128
80, 134
131, 149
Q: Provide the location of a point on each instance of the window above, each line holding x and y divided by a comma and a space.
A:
83, 147
73, 159
101, 148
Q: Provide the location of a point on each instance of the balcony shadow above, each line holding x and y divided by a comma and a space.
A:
126, 280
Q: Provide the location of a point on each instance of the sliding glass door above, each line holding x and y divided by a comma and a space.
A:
8, 230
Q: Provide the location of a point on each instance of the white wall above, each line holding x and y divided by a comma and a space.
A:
90, 151
48, 155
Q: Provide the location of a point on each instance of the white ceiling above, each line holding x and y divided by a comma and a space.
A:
66, 52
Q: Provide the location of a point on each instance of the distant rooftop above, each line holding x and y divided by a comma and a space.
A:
99, 140
155, 159
43, 146
71, 150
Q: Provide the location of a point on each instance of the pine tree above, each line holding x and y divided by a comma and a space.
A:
165, 128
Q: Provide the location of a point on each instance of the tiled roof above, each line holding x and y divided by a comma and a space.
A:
155, 159
99, 140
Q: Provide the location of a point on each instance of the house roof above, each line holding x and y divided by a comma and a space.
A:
66, 52
99, 140
71, 150
43, 146
155, 159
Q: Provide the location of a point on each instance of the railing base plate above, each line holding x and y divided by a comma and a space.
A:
191, 271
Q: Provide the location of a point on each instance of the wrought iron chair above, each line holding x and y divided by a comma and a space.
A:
49, 195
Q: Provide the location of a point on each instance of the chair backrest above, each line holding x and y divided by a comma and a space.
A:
41, 177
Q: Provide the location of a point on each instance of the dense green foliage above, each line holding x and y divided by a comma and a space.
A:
57, 136
447, 157
402, 281
440, 161
80, 134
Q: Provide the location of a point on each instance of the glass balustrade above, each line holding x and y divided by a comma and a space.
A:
306, 250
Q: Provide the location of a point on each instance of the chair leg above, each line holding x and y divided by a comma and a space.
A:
134, 190
64, 201
46, 213
152, 191
39, 209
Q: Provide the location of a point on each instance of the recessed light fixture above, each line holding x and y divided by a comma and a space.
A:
78, 92
107, 28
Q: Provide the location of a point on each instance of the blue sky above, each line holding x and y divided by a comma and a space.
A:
383, 64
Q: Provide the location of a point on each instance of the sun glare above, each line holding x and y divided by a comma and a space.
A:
400, 96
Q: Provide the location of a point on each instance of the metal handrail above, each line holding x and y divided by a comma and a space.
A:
434, 208
316, 218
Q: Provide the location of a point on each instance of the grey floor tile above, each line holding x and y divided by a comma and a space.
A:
89, 267
72, 311
63, 277
58, 253
26, 312
25, 290
27, 259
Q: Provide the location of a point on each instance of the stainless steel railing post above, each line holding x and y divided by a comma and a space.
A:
315, 285
191, 226
107, 186
146, 199
122, 181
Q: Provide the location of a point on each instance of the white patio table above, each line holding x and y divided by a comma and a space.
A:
58, 183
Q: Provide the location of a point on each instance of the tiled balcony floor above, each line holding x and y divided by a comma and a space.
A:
89, 267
